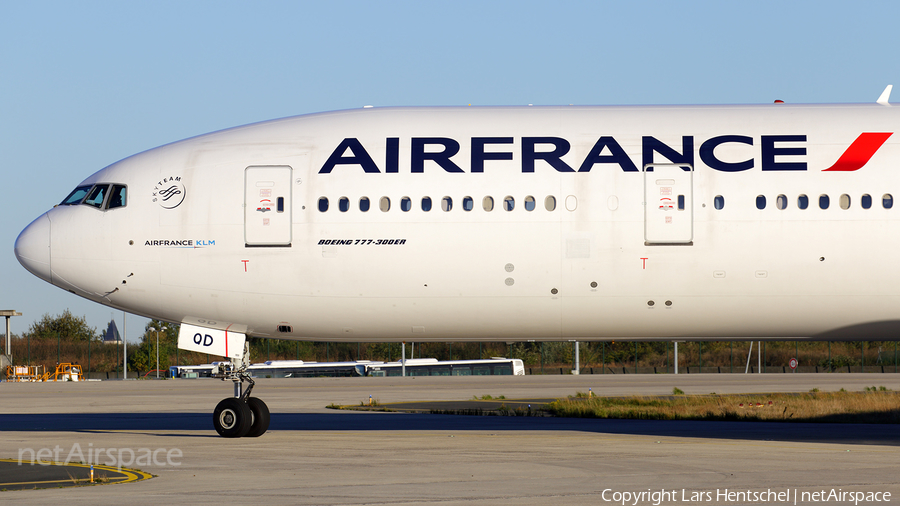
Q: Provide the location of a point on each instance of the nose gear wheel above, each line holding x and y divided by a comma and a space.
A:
241, 415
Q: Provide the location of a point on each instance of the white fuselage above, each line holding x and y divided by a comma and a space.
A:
616, 258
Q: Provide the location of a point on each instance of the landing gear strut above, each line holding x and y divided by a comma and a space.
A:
241, 415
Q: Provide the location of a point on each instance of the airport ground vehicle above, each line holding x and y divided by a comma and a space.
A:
273, 369
432, 367
497, 366
35, 373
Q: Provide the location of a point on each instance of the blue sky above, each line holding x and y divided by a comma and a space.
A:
83, 84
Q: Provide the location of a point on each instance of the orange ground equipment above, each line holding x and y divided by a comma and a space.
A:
63, 372
27, 373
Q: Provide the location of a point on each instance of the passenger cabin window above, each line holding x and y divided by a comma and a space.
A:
760, 202
364, 204
487, 203
76, 196
719, 202
781, 202
887, 201
802, 201
845, 201
509, 203
405, 204
344, 204
96, 196
446, 204
529, 203
118, 197
550, 203
384, 204
323, 204
426, 204
865, 201
824, 201
468, 203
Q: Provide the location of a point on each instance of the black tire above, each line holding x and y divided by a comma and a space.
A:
232, 418
260, 417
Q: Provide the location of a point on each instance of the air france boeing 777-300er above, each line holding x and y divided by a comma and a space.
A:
770, 221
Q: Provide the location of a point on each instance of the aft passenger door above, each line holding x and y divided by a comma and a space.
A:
267, 206
668, 204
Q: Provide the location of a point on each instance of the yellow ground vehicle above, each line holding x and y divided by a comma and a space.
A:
24, 372
63, 372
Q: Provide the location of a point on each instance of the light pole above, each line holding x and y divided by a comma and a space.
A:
7, 314
154, 327
125, 344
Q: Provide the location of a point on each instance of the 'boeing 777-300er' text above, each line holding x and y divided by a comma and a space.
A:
497, 224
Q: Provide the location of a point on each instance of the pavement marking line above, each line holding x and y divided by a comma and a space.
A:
127, 475
54, 481
668, 439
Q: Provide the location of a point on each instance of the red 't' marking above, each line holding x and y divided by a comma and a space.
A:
644, 262
245, 264
859, 153
226, 340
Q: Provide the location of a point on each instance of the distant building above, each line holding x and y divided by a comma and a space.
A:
111, 336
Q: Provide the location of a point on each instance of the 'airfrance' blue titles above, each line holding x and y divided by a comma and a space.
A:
550, 150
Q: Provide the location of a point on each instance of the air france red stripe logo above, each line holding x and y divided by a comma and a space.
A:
859, 153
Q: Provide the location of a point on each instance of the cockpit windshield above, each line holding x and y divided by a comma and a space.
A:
76, 196
118, 197
96, 196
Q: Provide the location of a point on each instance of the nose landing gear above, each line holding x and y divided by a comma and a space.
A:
241, 415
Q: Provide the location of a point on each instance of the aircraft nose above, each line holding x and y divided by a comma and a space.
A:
33, 248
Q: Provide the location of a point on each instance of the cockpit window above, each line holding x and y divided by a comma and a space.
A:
96, 196
76, 196
118, 197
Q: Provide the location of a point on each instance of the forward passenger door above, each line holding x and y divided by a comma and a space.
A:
267, 206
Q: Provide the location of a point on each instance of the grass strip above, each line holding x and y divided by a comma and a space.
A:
825, 407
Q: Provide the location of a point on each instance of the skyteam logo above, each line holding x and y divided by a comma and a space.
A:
169, 192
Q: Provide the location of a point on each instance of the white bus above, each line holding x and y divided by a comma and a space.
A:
301, 369
496, 366
276, 369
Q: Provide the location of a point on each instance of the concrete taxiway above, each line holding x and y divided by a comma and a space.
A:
313, 455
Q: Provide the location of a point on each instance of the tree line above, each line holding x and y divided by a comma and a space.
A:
67, 338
